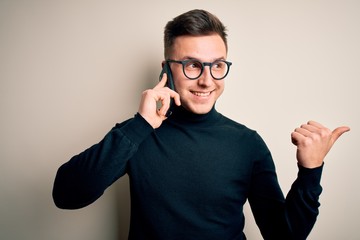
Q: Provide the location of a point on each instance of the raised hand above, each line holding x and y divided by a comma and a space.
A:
155, 103
313, 142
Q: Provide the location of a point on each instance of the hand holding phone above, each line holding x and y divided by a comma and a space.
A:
156, 104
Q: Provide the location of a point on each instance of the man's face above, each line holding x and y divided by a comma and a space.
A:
199, 95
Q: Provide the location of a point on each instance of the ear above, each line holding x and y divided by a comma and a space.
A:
163, 63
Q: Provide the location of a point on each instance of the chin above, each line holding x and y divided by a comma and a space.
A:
202, 109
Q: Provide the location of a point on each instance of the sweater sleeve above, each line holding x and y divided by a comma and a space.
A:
84, 178
302, 202
283, 218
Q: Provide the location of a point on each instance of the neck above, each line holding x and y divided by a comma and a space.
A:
184, 116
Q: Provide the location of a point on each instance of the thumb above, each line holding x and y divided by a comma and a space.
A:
338, 132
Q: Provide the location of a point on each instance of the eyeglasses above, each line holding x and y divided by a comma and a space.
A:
193, 68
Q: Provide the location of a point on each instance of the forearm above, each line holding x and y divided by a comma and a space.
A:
302, 202
85, 177
290, 218
277, 217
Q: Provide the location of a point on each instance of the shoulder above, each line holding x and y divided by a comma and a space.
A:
241, 136
240, 130
233, 125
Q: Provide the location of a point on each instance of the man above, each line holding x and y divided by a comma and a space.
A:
192, 170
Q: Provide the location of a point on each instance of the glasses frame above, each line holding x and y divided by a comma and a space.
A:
203, 65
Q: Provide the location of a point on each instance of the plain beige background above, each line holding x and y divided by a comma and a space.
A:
70, 70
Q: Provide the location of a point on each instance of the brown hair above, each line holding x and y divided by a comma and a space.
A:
194, 23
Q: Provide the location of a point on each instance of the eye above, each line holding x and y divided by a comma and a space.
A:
218, 65
193, 65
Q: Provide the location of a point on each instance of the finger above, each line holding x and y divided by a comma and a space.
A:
296, 138
315, 127
176, 97
164, 100
338, 132
162, 82
305, 131
173, 94
315, 124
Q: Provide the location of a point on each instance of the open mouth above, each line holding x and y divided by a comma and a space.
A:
201, 94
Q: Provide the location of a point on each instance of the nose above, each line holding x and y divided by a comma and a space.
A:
205, 79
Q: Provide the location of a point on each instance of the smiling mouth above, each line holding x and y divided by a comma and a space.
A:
201, 94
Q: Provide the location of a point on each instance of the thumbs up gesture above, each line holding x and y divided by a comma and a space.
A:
313, 142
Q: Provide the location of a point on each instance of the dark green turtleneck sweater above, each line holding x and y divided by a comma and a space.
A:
190, 178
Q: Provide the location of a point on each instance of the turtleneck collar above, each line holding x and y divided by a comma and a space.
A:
183, 116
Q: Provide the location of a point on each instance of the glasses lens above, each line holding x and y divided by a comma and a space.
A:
219, 69
192, 69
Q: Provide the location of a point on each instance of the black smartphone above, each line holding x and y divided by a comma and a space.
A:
166, 69
169, 83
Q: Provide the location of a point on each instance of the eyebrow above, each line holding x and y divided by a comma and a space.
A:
194, 58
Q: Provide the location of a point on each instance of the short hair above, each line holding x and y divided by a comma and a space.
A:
193, 23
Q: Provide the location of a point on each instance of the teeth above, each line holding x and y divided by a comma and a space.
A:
201, 94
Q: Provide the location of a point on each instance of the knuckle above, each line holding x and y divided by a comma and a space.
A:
324, 132
307, 142
146, 92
